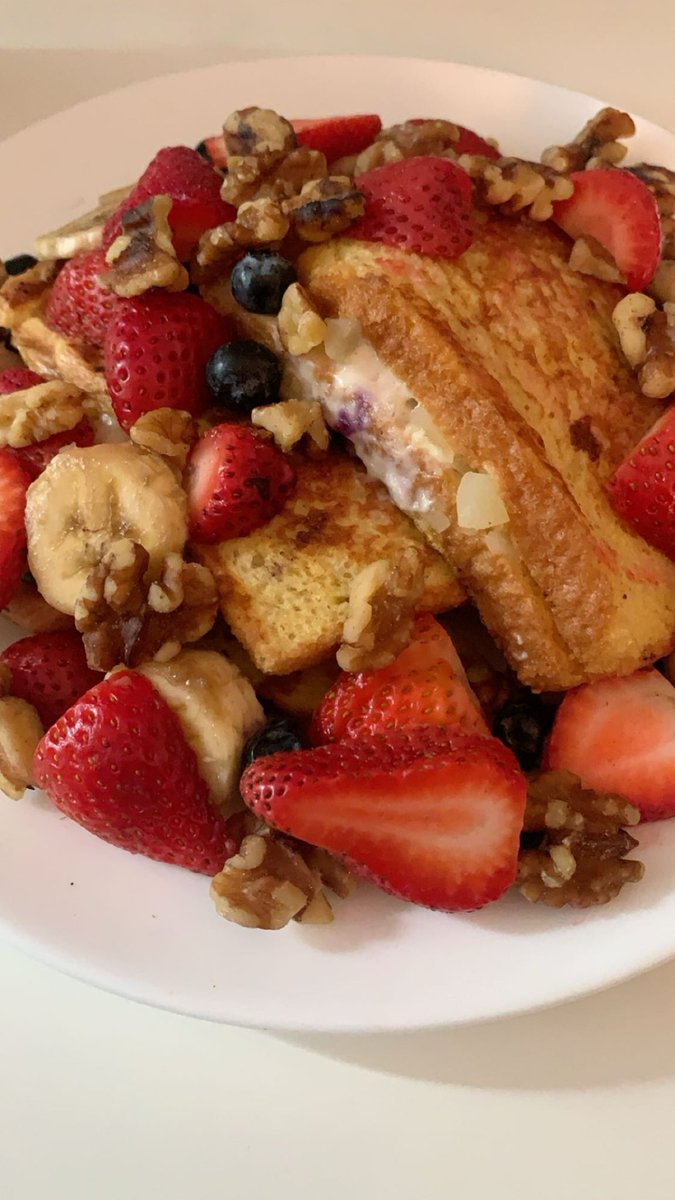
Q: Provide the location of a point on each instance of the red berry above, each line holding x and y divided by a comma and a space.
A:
194, 187
432, 817
426, 685
642, 489
79, 307
618, 735
468, 142
17, 379
236, 481
35, 458
619, 211
337, 137
420, 204
14, 482
155, 353
50, 671
118, 763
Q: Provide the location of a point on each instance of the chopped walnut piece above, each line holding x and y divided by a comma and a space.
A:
597, 145
381, 612
290, 420
661, 182
325, 207
167, 432
35, 413
588, 257
300, 326
20, 732
377, 155
123, 621
273, 879
580, 858
513, 185
259, 223
647, 337
427, 137
143, 256
299, 167
257, 141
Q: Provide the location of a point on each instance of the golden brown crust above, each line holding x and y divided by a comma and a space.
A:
515, 358
284, 589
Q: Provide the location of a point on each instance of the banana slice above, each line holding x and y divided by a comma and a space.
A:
89, 496
82, 234
218, 711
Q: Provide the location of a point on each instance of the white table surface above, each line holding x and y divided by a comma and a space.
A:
105, 1100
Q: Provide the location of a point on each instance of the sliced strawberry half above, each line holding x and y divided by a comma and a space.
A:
236, 482
79, 306
14, 482
49, 670
618, 735
426, 685
420, 204
337, 137
619, 211
642, 489
435, 819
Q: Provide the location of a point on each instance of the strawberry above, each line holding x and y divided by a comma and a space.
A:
214, 149
432, 817
421, 204
236, 481
618, 735
118, 763
50, 671
426, 685
619, 211
79, 306
35, 458
468, 143
17, 379
194, 187
155, 353
337, 137
14, 482
642, 489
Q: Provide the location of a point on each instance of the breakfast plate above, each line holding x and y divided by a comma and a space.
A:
149, 931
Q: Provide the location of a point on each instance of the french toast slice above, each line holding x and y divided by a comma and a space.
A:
490, 395
284, 589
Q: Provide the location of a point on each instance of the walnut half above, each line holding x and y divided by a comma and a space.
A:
514, 185
647, 337
581, 844
35, 413
597, 145
382, 603
325, 207
143, 256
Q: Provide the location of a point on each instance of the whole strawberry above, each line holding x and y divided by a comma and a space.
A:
50, 671
236, 481
194, 187
79, 306
425, 685
14, 482
432, 817
155, 353
642, 489
420, 204
118, 763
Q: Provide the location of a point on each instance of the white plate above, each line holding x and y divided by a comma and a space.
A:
149, 931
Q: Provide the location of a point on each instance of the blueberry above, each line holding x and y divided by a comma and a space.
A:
522, 725
201, 149
243, 375
260, 279
277, 735
19, 264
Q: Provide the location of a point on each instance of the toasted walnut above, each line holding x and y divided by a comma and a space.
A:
662, 286
143, 256
300, 326
256, 141
647, 337
377, 155
20, 732
123, 621
290, 420
661, 182
167, 432
428, 137
325, 207
259, 223
588, 257
514, 185
274, 879
580, 856
381, 611
597, 145
299, 167
35, 413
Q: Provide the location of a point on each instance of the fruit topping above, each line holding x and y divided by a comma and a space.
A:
419, 204
260, 279
19, 263
244, 375
14, 481
642, 489
79, 306
277, 735
236, 481
522, 725
432, 817
49, 671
